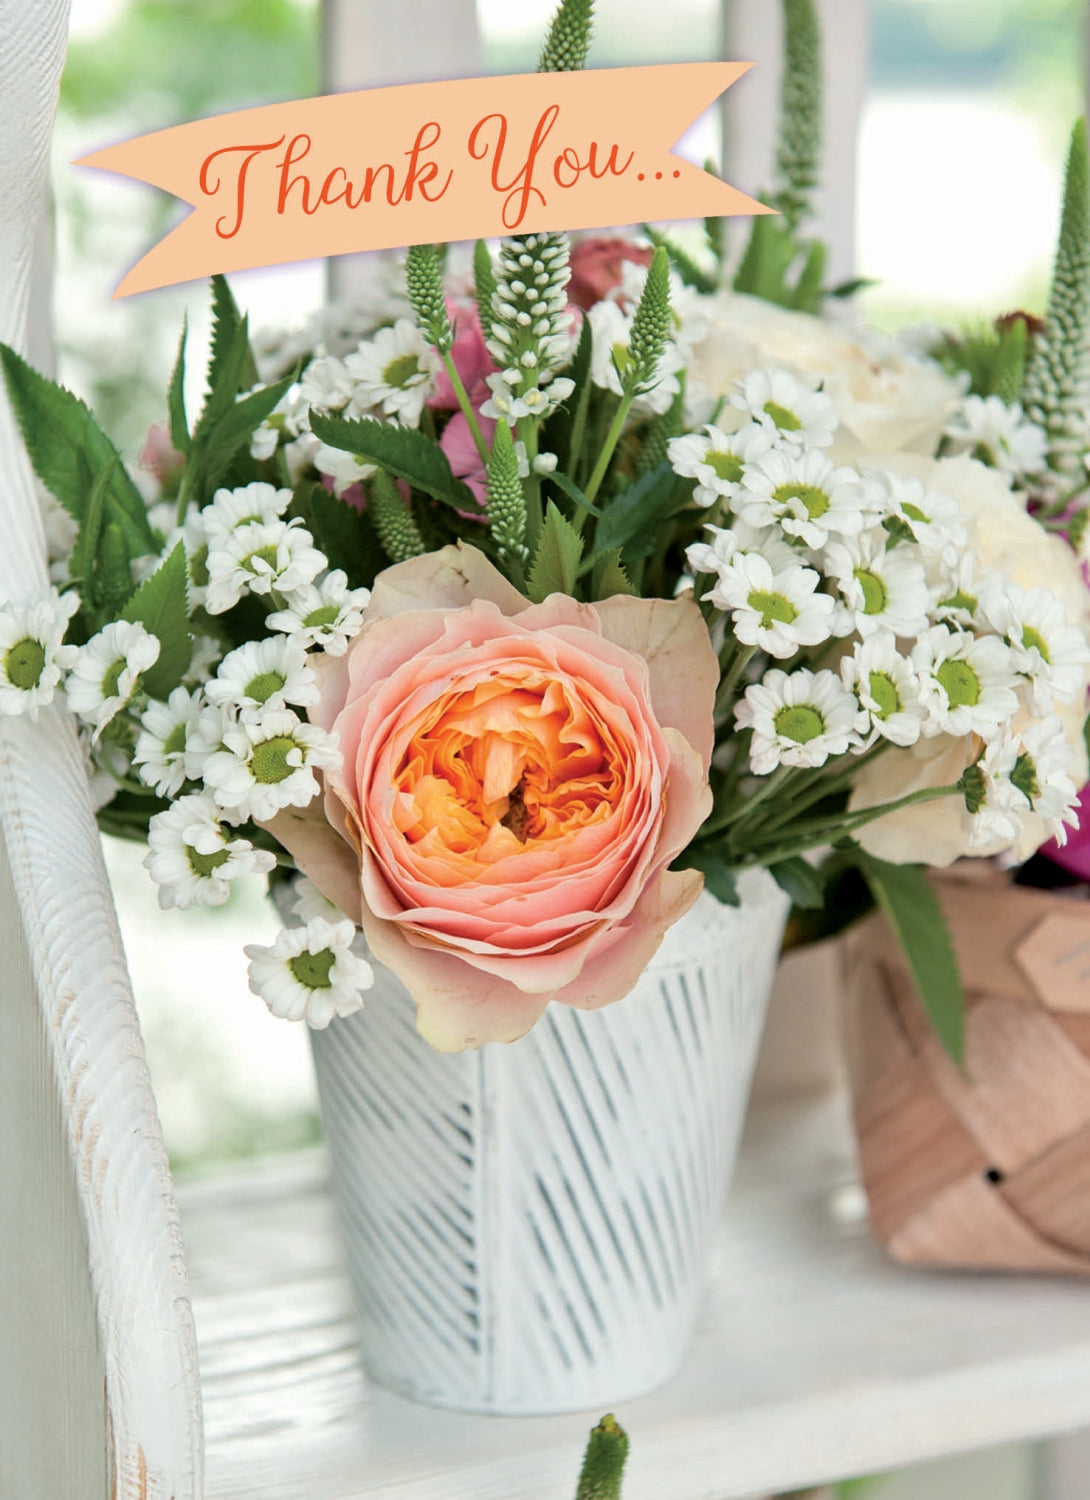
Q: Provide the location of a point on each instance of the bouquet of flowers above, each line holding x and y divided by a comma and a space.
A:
504, 613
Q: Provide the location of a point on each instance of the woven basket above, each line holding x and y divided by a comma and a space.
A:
990, 1167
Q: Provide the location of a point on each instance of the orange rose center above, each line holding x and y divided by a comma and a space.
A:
502, 764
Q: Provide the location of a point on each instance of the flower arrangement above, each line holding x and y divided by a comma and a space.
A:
504, 614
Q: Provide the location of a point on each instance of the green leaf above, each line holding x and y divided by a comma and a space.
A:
345, 535
556, 562
565, 427
70, 452
807, 294
912, 910
111, 576
86, 545
850, 287
402, 451
801, 881
719, 877
574, 493
767, 259
179, 427
610, 578
234, 429
159, 604
229, 381
632, 518
228, 323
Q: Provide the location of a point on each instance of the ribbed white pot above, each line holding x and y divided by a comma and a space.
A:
527, 1226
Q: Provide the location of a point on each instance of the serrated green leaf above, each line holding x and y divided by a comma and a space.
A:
345, 535
111, 576
70, 451
160, 605
556, 562
179, 427
401, 451
230, 381
82, 567
610, 578
801, 881
631, 521
233, 430
227, 322
719, 877
913, 911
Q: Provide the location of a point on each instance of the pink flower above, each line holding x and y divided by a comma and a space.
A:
516, 781
471, 359
159, 456
596, 268
457, 443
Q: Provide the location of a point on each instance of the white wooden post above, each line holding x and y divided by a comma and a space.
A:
753, 32
85, 1196
366, 44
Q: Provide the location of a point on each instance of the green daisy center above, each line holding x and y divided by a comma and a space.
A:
269, 762
24, 663
1024, 777
320, 618
401, 370
1032, 639
785, 420
884, 695
174, 743
264, 554
816, 501
772, 607
800, 722
727, 466
875, 594
263, 686
960, 682
111, 678
204, 864
913, 512
313, 970
960, 600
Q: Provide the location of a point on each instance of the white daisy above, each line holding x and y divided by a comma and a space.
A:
325, 384
776, 612
1041, 774
207, 651
799, 719
280, 423
310, 973
258, 557
909, 510
887, 688
192, 859
1051, 654
260, 676
265, 766
884, 588
394, 372
107, 671
326, 614
799, 490
32, 656
194, 539
719, 553
1000, 435
160, 755
966, 682
307, 901
994, 803
344, 469
792, 411
204, 739
717, 461
957, 585
245, 506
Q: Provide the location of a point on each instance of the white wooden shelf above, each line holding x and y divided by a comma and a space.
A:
817, 1358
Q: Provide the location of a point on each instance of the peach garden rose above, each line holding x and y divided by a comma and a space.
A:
516, 781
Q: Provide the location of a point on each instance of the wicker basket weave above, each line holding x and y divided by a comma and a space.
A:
990, 1167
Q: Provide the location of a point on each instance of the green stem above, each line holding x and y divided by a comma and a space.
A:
806, 835
467, 408
735, 814
725, 691
527, 431
828, 779
613, 437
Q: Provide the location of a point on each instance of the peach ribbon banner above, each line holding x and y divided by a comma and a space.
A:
420, 163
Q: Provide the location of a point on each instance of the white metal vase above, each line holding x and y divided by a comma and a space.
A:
527, 1225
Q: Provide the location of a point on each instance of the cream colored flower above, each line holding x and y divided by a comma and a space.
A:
886, 400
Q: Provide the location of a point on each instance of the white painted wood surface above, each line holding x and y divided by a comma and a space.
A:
816, 1356
84, 1042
